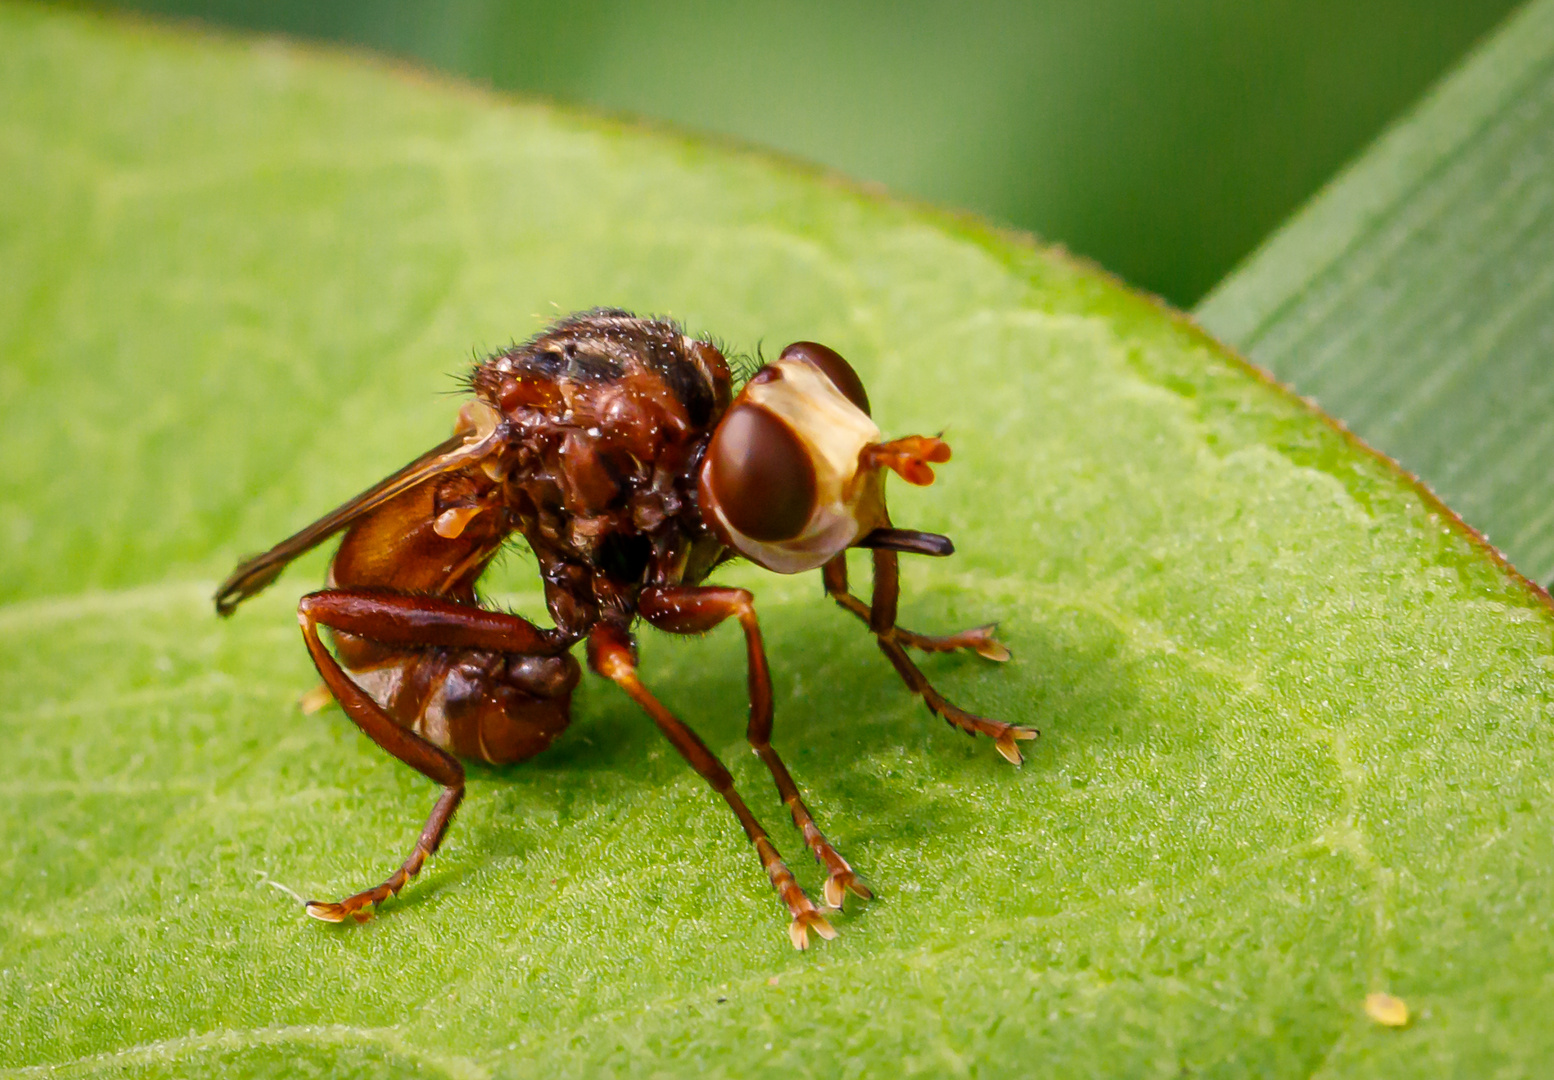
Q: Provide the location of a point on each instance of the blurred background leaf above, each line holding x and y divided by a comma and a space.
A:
1415, 297
1162, 140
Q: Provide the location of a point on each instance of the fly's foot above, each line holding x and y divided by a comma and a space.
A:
360, 907
798, 929
840, 878
806, 916
979, 639
353, 908
1005, 743
841, 882
1004, 736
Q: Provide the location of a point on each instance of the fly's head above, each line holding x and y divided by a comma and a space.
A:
793, 473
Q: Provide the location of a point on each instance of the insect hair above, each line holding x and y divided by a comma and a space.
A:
742, 366
465, 379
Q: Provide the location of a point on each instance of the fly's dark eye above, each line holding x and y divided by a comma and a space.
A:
830, 362
761, 475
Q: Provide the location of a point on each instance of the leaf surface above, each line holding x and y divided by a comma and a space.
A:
1296, 724
1414, 298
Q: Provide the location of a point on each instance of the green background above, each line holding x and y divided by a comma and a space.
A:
1298, 726
1414, 298
1163, 140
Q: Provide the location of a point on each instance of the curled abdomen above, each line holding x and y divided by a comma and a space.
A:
494, 707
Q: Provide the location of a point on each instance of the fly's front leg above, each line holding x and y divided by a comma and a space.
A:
979, 639
695, 610
881, 617
612, 654
411, 621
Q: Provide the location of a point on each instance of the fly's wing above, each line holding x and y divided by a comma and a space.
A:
256, 572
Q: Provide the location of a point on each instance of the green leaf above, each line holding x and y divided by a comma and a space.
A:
1296, 722
1415, 297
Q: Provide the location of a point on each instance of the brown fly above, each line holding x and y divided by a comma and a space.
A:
617, 448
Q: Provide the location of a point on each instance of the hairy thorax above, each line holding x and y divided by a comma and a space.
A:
606, 421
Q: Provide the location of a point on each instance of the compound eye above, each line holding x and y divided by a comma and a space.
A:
831, 364
761, 475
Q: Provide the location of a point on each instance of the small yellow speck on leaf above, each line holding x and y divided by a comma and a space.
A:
1386, 1009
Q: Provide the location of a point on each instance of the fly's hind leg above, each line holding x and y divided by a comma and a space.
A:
881, 617
612, 654
410, 621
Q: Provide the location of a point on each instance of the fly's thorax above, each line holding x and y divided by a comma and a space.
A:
559, 371
783, 482
598, 408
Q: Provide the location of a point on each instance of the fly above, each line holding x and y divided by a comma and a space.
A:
617, 447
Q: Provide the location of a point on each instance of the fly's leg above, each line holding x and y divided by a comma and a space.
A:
407, 746
881, 617
612, 654
912, 458
695, 610
409, 621
979, 639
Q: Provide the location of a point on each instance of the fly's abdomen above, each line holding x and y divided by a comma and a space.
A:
496, 707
